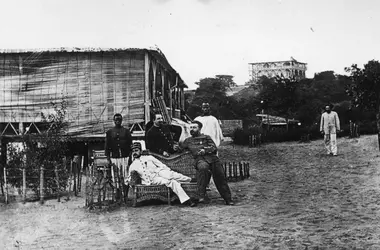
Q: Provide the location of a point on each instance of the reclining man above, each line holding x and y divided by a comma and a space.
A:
154, 172
204, 151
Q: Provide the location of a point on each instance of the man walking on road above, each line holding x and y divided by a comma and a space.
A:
330, 126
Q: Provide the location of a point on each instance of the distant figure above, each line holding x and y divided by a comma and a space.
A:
159, 138
211, 126
207, 163
117, 148
330, 126
154, 172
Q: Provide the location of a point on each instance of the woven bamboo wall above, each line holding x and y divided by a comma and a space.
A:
96, 84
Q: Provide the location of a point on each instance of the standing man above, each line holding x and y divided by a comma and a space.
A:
207, 163
211, 126
330, 126
117, 149
160, 139
154, 172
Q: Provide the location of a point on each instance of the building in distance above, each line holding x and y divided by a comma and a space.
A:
288, 69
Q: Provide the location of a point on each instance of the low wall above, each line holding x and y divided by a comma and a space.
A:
228, 126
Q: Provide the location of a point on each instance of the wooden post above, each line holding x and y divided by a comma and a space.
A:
86, 189
146, 88
57, 182
259, 140
241, 171
75, 179
245, 169
154, 68
229, 170
42, 192
23, 184
235, 171
248, 174
80, 174
70, 178
6, 185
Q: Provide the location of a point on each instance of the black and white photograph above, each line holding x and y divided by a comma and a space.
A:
190, 124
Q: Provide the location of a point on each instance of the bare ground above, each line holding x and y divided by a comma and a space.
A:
297, 198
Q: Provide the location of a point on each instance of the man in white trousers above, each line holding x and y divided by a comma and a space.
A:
330, 126
154, 172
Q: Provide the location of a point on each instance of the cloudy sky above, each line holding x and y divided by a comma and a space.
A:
202, 38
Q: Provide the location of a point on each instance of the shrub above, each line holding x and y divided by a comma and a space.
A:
240, 137
46, 150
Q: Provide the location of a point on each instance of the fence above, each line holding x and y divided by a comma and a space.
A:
36, 184
354, 130
236, 171
255, 140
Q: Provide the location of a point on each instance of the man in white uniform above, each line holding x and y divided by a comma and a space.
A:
154, 172
330, 125
211, 126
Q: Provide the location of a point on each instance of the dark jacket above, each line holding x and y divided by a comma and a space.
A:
194, 144
118, 143
160, 139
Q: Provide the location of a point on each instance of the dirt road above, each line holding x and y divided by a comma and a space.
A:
297, 198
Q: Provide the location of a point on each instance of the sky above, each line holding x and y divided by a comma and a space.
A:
203, 38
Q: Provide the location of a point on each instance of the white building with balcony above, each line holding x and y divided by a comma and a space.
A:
288, 69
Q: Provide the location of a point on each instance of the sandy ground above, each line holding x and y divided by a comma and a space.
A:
296, 198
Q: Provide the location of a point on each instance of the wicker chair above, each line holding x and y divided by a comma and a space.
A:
182, 163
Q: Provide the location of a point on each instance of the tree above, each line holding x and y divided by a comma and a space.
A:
364, 88
213, 91
46, 150
277, 96
227, 79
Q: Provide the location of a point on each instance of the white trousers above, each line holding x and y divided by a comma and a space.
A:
171, 179
330, 143
120, 171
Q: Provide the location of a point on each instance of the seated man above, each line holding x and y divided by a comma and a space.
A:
154, 172
159, 138
204, 151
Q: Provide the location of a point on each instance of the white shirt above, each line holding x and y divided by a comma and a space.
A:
211, 127
330, 123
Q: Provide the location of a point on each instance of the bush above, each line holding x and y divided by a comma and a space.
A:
240, 137
368, 127
46, 150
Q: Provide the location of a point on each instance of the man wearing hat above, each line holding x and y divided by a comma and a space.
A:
211, 127
117, 149
207, 163
154, 172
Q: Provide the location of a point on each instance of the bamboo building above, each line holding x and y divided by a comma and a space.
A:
95, 84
